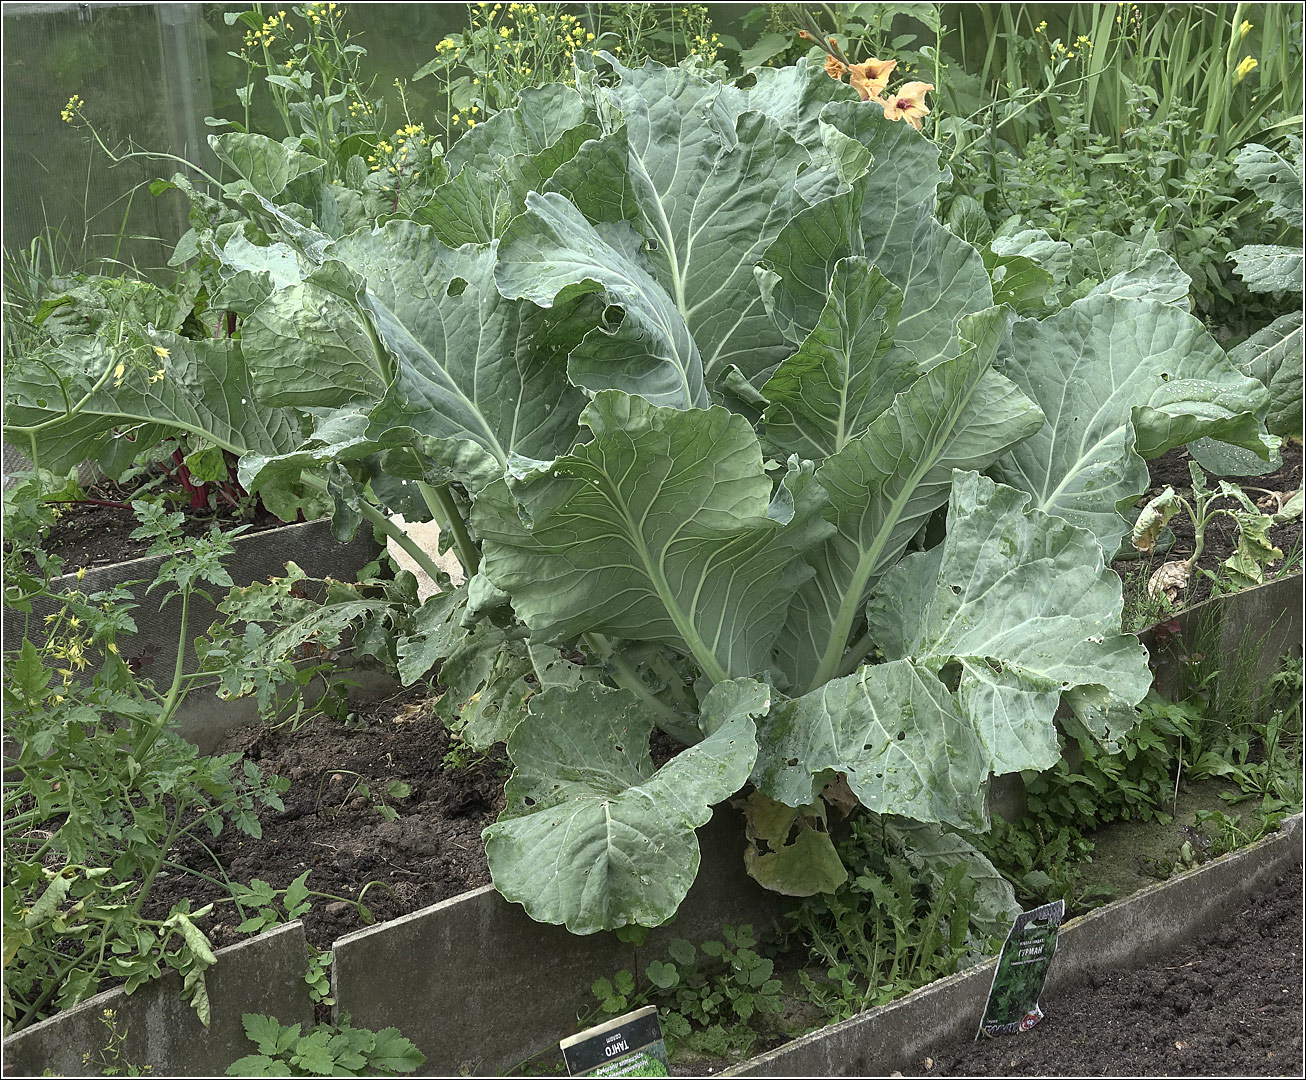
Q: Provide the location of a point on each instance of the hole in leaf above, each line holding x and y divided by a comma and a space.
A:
456, 287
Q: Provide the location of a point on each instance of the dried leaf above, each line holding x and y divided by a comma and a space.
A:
1172, 578
1147, 529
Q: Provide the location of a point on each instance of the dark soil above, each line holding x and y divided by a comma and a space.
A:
430, 852
90, 534
1228, 1005
1222, 533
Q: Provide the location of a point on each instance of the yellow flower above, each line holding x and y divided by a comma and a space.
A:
471, 123
908, 103
871, 78
157, 376
81, 572
118, 373
1245, 67
504, 32
161, 352
1244, 28
69, 111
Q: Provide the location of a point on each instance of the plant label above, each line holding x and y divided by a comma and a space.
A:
627, 1045
1022, 969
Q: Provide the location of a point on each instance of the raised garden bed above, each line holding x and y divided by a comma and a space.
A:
444, 953
1152, 924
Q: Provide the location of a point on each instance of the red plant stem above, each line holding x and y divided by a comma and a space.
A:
225, 491
231, 324
199, 498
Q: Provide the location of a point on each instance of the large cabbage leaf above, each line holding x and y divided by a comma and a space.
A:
551, 254
163, 384
884, 484
592, 836
662, 528
708, 186
1119, 381
1026, 605
845, 373
1024, 608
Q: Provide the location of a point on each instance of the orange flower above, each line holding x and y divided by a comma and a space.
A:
834, 69
871, 78
908, 103
805, 35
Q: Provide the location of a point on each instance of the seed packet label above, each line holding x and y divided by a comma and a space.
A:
629, 1045
1021, 972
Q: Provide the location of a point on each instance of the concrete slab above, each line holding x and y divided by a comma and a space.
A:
427, 536
479, 986
263, 975
1129, 932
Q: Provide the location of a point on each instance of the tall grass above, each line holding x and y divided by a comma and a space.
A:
1181, 56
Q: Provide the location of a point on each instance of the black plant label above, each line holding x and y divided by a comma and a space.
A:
1022, 969
628, 1045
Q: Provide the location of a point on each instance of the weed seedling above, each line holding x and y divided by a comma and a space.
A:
326, 1050
394, 789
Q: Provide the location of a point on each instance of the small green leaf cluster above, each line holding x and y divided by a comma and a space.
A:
325, 1050
1216, 731
394, 789
706, 996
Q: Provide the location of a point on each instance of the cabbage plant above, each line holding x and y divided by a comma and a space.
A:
705, 395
